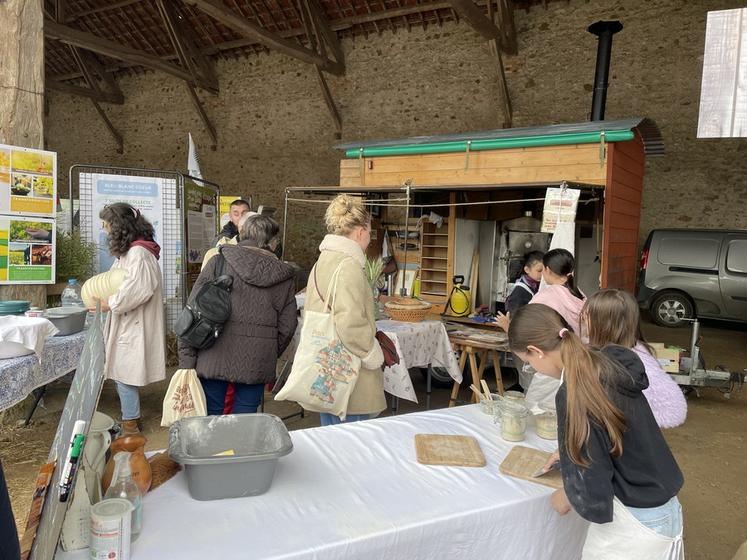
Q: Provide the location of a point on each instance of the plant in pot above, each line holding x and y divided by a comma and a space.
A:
374, 274
75, 259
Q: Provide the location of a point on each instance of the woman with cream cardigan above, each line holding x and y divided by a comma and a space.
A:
349, 234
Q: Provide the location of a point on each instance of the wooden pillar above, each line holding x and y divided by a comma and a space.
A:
22, 95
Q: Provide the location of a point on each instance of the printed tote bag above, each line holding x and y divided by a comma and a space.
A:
324, 372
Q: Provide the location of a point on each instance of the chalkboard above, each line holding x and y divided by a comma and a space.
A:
81, 403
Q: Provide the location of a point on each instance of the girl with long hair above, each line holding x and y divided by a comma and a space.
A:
618, 472
612, 316
134, 331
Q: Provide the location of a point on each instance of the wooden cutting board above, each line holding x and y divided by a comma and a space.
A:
453, 451
522, 462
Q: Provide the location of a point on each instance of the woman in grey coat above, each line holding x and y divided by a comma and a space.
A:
262, 323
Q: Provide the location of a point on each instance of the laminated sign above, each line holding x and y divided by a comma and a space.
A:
560, 206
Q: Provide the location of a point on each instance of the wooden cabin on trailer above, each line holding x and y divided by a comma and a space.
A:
481, 185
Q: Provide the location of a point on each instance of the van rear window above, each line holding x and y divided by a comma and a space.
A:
686, 251
736, 258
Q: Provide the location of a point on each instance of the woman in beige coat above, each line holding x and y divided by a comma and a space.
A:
349, 227
134, 330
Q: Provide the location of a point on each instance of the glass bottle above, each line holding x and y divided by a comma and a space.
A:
123, 486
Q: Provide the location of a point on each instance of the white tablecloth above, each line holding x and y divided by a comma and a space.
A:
20, 376
418, 345
356, 492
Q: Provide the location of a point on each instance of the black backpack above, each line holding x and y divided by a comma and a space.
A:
202, 319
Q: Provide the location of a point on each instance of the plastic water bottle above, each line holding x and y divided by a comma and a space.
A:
71, 294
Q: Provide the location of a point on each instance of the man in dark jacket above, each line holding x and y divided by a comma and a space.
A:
238, 208
262, 323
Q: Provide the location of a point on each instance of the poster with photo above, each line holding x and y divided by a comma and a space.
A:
28, 181
27, 250
143, 193
201, 225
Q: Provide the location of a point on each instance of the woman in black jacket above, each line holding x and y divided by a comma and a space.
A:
262, 323
617, 469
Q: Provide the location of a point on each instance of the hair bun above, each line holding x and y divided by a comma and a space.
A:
344, 213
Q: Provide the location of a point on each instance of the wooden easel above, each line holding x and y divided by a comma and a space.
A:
473, 350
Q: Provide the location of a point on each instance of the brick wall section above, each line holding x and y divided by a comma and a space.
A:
274, 129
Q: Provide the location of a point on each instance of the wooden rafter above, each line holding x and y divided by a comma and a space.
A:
91, 42
113, 131
218, 11
93, 86
330, 102
322, 27
188, 54
476, 18
111, 6
203, 115
507, 27
494, 47
336, 25
316, 41
103, 96
186, 51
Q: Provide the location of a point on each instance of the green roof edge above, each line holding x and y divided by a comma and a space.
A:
493, 144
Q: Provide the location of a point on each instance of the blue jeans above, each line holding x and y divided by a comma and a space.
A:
665, 519
129, 400
247, 397
332, 420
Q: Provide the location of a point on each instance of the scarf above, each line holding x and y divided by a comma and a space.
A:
151, 246
341, 244
530, 282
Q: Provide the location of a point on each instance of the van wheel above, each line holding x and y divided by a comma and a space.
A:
672, 309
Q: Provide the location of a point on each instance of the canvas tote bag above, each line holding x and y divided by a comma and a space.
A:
184, 397
324, 372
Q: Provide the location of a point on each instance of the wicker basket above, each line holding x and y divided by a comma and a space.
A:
407, 310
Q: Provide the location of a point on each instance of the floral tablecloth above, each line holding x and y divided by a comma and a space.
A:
418, 345
20, 376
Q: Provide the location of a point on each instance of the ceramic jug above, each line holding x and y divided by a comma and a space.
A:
141, 472
94, 454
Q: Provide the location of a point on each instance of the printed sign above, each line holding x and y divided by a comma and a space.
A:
560, 206
143, 193
27, 250
28, 181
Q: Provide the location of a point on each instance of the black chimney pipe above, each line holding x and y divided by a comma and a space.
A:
604, 30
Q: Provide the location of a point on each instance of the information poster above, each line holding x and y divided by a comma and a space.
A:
28, 181
27, 250
201, 226
143, 193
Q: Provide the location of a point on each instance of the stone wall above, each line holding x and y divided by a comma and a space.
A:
274, 129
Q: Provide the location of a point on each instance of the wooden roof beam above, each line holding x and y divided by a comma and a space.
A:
91, 42
322, 27
103, 96
183, 46
111, 6
476, 18
220, 12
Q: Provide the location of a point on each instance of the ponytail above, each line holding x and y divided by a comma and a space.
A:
586, 372
562, 263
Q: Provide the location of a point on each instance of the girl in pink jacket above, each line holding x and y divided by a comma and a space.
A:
612, 317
